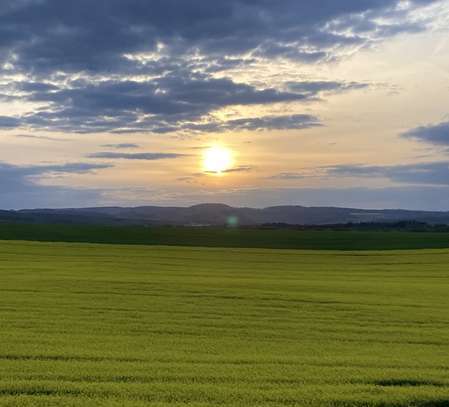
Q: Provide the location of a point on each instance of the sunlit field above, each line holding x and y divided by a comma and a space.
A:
111, 325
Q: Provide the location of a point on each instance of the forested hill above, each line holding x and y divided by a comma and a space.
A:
219, 215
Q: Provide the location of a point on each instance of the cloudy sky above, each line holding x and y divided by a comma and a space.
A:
116, 102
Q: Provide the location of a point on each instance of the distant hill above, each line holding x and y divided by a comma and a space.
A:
219, 215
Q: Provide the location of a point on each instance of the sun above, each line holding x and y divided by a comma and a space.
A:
217, 160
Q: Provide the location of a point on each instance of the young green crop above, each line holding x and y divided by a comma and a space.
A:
265, 238
111, 325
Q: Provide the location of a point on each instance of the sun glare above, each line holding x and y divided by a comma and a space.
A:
217, 160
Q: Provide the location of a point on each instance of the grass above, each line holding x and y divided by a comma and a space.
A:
224, 237
110, 325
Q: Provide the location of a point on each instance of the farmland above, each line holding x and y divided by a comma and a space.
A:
268, 238
115, 325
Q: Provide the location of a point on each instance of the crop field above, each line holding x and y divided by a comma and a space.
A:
262, 238
114, 325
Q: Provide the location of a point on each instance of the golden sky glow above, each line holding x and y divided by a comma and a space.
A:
245, 129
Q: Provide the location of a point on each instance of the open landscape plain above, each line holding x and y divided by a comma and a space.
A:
229, 203
116, 325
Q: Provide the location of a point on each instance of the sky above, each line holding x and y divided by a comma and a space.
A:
323, 103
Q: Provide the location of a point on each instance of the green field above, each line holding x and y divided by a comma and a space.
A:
228, 237
112, 325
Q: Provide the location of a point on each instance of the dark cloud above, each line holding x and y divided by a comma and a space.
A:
33, 137
9, 122
241, 168
35, 87
120, 146
289, 176
314, 88
15, 171
136, 156
434, 173
430, 173
437, 134
20, 186
173, 47
163, 105
290, 122
50, 35
297, 121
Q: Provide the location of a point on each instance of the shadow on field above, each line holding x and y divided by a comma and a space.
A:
38, 391
408, 383
398, 382
412, 403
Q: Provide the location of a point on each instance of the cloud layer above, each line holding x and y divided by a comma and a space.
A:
162, 105
430, 173
434, 173
136, 156
95, 36
20, 186
161, 66
193, 68
436, 134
